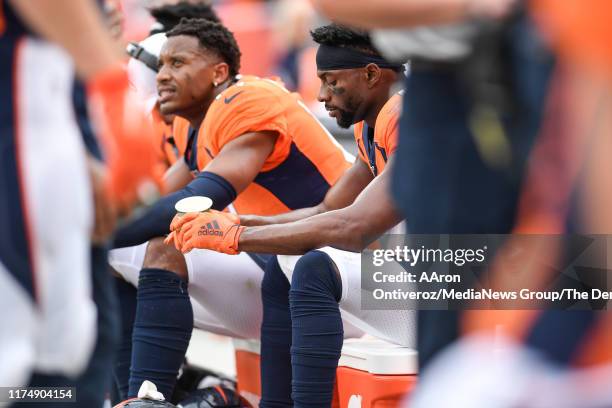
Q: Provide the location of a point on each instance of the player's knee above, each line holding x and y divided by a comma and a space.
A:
275, 285
314, 265
316, 271
162, 256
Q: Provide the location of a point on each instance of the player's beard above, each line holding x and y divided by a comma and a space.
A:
350, 115
345, 118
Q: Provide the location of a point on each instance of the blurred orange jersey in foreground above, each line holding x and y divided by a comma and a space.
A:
580, 29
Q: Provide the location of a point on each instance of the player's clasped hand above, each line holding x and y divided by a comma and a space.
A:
215, 230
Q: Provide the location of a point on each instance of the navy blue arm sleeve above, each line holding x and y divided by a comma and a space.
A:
155, 222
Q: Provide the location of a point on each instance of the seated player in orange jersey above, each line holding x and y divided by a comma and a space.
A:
250, 143
143, 67
306, 298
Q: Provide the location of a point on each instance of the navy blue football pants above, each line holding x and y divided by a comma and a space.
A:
301, 333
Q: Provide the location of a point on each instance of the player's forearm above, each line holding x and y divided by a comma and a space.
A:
351, 228
155, 222
327, 229
151, 223
393, 13
77, 27
340, 195
291, 216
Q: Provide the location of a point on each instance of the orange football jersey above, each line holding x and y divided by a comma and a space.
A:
581, 31
378, 144
305, 162
180, 132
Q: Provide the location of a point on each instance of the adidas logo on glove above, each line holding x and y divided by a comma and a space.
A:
210, 229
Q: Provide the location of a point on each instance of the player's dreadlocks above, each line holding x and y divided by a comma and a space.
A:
212, 36
170, 15
337, 35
